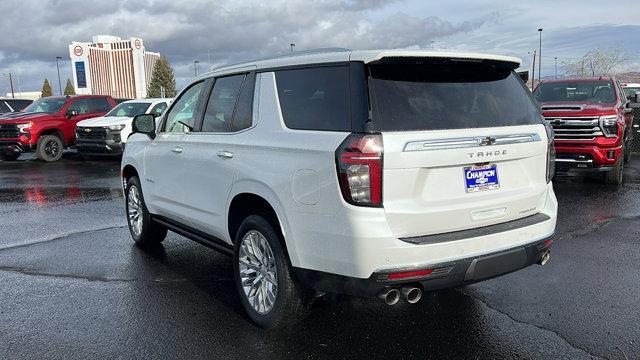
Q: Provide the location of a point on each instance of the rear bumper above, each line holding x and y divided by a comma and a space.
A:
445, 275
15, 146
586, 157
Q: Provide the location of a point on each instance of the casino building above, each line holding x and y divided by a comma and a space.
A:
112, 66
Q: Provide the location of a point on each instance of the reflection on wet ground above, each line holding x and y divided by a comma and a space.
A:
48, 196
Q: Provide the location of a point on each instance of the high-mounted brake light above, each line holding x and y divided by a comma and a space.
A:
359, 164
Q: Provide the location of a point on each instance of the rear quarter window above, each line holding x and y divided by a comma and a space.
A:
315, 98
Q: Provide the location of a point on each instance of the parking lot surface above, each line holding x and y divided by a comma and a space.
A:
73, 286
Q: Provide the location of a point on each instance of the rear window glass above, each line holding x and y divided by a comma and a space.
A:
582, 91
448, 95
315, 98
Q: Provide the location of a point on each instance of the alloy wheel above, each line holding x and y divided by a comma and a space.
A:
52, 148
134, 210
258, 272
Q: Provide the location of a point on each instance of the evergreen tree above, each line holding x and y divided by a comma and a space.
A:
162, 78
68, 89
46, 88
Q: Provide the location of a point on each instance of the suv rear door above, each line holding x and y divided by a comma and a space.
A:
444, 122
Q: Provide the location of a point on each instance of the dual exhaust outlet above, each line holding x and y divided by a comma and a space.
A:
391, 296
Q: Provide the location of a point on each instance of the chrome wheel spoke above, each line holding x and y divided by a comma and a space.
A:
258, 272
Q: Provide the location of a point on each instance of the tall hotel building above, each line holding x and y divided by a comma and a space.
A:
112, 66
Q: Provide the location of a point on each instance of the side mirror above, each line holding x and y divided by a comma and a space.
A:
71, 113
144, 124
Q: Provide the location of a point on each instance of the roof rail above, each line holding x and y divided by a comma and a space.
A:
290, 54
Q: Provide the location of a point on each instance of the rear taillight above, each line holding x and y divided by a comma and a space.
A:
359, 163
551, 153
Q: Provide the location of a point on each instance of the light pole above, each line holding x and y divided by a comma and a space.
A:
58, 67
533, 69
540, 56
291, 46
195, 68
11, 84
556, 62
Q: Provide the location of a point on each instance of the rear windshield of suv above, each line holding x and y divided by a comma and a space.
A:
442, 95
580, 91
129, 109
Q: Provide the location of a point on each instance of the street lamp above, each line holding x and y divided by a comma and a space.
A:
540, 56
195, 68
11, 84
291, 46
556, 62
533, 70
58, 67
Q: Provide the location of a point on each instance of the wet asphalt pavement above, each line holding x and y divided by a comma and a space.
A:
73, 286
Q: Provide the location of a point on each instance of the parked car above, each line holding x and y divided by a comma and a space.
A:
47, 126
13, 105
630, 90
592, 121
108, 134
368, 173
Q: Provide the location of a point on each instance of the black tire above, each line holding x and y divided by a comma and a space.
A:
50, 148
150, 232
292, 301
627, 152
614, 176
9, 157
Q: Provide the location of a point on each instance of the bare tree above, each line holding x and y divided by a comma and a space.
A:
597, 62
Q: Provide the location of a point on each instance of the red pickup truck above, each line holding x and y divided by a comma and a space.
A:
592, 122
47, 126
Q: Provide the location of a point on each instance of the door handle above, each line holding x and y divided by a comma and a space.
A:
177, 150
225, 154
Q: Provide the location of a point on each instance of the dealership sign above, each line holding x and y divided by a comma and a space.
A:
137, 43
81, 75
77, 51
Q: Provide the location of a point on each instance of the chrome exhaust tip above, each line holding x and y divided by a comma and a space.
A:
411, 294
544, 258
390, 296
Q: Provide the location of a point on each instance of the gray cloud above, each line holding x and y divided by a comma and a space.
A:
35, 31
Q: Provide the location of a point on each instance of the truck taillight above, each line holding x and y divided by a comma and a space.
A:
359, 164
551, 153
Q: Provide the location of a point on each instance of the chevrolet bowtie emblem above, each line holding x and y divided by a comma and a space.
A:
87, 130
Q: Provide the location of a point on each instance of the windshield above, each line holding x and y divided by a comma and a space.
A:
45, 105
129, 109
449, 95
579, 91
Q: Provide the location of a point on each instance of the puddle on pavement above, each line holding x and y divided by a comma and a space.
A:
46, 196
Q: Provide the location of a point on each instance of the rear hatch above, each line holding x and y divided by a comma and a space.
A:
464, 144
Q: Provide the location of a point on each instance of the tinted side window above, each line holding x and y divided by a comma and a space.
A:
217, 117
159, 109
183, 111
82, 106
315, 98
243, 113
99, 105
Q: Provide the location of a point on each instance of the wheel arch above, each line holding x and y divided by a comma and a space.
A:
252, 197
53, 131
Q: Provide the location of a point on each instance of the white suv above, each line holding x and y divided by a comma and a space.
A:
368, 173
108, 134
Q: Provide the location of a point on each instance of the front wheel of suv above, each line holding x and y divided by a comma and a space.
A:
49, 148
9, 157
269, 293
144, 231
614, 176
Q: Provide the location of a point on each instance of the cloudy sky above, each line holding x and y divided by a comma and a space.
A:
34, 32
